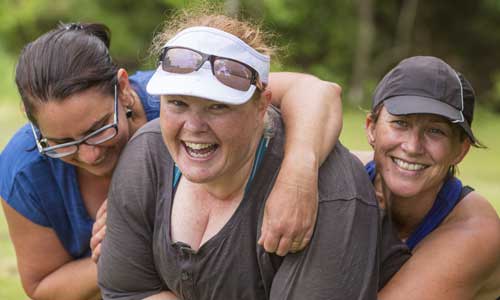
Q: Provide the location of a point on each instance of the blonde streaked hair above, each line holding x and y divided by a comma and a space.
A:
212, 15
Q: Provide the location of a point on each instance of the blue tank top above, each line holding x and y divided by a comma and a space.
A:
448, 197
46, 190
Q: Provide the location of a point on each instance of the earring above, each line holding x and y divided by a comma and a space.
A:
128, 113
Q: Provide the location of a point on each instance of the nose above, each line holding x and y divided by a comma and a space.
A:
413, 143
88, 153
195, 123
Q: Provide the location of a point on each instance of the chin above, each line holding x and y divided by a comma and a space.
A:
103, 170
198, 176
403, 188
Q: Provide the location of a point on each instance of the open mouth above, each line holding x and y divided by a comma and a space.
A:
200, 150
408, 166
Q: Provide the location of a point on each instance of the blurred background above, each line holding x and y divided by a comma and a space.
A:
351, 42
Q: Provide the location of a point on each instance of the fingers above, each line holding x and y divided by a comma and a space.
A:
99, 222
96, 253
95, 243
102, 210
97, 238
270, 241
282, 241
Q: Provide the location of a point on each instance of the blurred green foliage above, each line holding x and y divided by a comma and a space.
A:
318, 36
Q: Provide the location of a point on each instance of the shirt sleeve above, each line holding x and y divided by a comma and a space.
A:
341, 261
22, 175
126, 268
25, 200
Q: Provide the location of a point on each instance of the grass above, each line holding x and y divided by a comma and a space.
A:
479, 170
10, 285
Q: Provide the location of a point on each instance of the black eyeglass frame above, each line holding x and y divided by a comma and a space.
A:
51, 150
255, 80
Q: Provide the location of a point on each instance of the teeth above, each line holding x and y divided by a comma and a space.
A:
408, 166
200, 150
199, 155
196, 146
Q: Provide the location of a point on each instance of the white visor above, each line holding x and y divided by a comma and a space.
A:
203, 83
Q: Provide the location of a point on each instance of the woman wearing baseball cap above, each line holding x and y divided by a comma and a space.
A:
420, 130
188, 195
55, 171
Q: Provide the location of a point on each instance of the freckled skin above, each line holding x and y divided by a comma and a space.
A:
425, 139
236, 129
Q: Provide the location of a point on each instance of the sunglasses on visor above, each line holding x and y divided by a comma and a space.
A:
230, 72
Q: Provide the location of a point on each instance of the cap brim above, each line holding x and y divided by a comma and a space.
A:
409, 104
201, 84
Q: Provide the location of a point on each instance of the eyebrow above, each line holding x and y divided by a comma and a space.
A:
96, 125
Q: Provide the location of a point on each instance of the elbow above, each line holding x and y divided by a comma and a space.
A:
335, 89
31, 288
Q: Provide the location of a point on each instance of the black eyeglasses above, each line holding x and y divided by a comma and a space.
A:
228, 71
96, 137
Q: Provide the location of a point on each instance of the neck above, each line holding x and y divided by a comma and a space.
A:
231, 186
407, 212
88, 181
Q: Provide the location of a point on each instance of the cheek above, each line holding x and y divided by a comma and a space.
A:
169, 126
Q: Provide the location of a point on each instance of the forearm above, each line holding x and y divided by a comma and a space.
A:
312, 113
165, 295
76, 279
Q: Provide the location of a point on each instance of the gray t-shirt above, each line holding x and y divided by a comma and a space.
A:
353, 251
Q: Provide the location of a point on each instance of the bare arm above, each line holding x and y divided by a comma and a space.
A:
454, 261
163, 296
312, 112
47, 270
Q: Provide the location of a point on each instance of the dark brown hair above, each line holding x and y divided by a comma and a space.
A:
67, 60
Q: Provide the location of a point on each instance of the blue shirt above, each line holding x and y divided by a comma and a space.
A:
46, 190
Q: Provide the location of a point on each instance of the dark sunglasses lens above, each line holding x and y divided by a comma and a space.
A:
179, 60
233, 74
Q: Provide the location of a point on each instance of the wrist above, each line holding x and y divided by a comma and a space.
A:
306, 160
300, 169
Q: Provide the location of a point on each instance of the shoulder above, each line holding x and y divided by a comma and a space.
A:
29, 182
473, 227
363, 155
20, 156
145, 147
150, 103
343, 176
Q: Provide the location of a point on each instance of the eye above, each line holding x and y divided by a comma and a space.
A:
400, 123
177, 103
436, 131
219, 107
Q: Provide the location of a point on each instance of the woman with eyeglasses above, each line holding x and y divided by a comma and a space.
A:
188, 195
83, 109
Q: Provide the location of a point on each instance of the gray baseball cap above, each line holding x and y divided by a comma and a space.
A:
427, 85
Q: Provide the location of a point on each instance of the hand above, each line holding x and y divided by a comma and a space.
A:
291, 210
98, 232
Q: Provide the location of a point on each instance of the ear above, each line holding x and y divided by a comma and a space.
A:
370, 130
125, 96
265, 100
464, 149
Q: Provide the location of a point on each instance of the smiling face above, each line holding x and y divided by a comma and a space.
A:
210, 141
77, 116
413, 153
